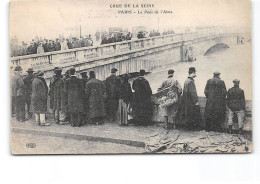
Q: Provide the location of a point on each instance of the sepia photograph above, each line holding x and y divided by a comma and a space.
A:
102, 77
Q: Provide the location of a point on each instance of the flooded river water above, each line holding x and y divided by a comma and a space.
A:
233, 63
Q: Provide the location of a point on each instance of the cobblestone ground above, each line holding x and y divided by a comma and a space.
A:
21, 144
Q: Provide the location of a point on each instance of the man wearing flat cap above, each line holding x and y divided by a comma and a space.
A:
95, 96
112, 101
74, 92
57, 98
18, 94
28, 89
190, 102
215, 92
142, 104
39, 98
236, 105
84, 80
173, 90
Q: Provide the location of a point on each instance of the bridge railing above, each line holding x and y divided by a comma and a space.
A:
88, 54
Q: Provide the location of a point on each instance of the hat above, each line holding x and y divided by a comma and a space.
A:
18, 68
170, 71
216, 73
39, 73
83, 73
72, 71
142, 72
236, 81
192, 69
114, 70
58, 69
30, 70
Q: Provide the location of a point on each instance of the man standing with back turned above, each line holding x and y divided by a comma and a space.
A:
112, 83
215, 109
190, 103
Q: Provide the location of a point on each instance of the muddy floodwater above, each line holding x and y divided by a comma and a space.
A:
233, 63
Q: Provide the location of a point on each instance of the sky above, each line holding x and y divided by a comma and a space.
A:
49, 18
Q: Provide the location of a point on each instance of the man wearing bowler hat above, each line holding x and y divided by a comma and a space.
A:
142, 104
28, 89
236, 105
215, 109
112, 101
18, 94
190, 102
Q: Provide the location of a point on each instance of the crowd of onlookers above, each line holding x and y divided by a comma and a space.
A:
38, 46
116, 37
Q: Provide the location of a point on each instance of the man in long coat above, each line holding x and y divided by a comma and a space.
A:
95, 94
56, 94
18, 94
74, 93
189, 101
142, 105
112, 83
39, 98
84, 80
215, 109
28, 89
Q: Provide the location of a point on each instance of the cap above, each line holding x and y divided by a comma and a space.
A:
170, 71
83, 73
216, 73
18, 68
58, 69
192, 69
30, 70
114, 70
236, 81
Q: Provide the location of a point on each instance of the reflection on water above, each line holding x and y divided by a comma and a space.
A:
234, 62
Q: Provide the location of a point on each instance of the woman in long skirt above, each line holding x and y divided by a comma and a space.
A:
125, 97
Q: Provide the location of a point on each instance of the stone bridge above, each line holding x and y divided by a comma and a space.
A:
133, 55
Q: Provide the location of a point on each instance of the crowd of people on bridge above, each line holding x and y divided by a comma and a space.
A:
39, 45
88, 100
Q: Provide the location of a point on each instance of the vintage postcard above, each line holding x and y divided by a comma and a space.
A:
130, 77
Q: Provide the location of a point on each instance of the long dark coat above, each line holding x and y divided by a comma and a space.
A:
74, 94
28, 83
215, 92
125, 92
39, 96
95, 92
56, 93
142, 105
112, 83
190, 111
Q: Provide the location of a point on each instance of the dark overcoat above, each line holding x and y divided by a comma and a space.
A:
236, 99
189, 99
39, 96
95, 92
28, 84
74, 94
112, 83
17, 85
56, 93
142, 104
215, 92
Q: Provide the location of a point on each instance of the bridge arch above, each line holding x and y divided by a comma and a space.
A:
216, 48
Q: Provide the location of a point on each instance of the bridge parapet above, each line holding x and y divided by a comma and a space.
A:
46, 61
